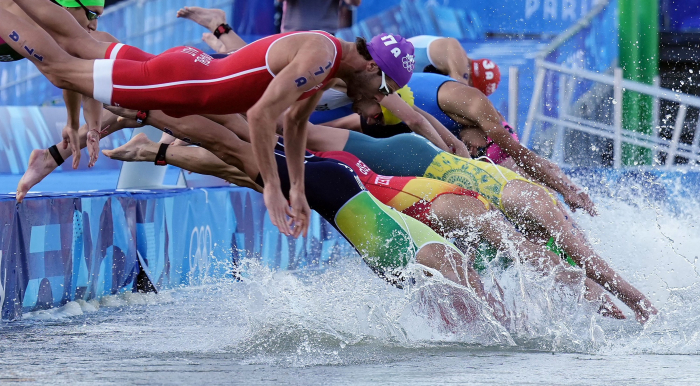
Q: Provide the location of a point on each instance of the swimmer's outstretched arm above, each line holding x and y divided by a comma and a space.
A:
64, 29
415, 121
299, 76
62, 70
452, 142
475, 107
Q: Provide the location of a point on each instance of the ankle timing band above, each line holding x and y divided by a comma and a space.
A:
222, 30
53, 150
160, 156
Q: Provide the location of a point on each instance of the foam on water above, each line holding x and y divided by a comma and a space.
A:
653, 248
346, 315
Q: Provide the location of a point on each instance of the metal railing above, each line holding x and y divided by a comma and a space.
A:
563, 119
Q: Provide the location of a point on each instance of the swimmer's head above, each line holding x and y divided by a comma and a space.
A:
485, 75
370, 110
389, 67
86, 12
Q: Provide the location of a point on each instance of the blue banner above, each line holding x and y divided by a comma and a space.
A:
412, 18
66, 247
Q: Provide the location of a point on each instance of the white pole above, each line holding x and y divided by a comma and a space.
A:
562, 110
617, 108
535, 105
695, 149
655, 117
676, 138
513, 96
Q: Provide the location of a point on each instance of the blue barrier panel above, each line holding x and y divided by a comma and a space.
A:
59, 248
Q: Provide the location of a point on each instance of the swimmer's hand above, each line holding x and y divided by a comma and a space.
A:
277, 208
93, 145
301, 213
577, 198
72, 139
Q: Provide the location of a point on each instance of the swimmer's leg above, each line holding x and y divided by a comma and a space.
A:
388, 240
457, 214
63, 70
201, 131
194, 159
64, 29
211, 19
42, 162
529, 203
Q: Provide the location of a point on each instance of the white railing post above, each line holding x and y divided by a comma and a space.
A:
695, 149
655, 117
562, 111
676, 138
617, 112
535, 104
513, 96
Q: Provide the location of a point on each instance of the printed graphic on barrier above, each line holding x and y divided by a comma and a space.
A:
57, 249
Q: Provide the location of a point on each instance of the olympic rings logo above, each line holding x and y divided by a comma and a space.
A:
199, 255
409, 63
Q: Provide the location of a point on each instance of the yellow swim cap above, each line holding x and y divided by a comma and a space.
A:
87, 3
407, 95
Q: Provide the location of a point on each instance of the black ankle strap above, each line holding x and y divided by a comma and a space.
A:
160, 156
53, 150
222, 30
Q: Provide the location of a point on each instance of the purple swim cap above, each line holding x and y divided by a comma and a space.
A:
394, 56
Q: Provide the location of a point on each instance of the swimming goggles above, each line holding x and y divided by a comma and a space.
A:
91, 15
384, 88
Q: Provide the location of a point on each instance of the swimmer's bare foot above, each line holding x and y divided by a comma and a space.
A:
214, 43
41, 164
208, 18
139, 148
